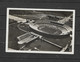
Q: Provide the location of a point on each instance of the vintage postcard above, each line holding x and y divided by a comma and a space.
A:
48, 31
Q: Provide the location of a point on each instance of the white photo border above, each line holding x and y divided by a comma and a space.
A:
42, 52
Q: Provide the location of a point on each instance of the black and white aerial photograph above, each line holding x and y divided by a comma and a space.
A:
44, 31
